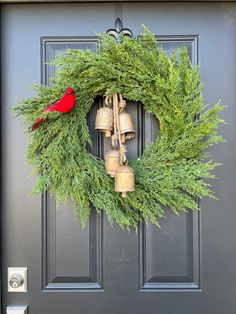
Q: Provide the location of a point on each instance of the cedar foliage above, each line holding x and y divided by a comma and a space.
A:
171, 172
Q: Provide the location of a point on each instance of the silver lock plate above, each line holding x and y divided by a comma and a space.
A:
16, 310
17, 279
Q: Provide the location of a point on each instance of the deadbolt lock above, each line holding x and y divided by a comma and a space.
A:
16, 280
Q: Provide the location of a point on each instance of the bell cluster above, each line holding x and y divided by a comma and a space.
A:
116, 123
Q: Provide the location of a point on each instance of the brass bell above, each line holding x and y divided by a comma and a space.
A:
104, 121
127, 130
112, 162
124, 180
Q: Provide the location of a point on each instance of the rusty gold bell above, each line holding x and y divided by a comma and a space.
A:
124, 180
112, 162
104, 121
127, 130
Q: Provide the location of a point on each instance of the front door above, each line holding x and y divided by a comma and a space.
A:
187, 266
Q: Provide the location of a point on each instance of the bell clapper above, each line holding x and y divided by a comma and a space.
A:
122, 138
107, 133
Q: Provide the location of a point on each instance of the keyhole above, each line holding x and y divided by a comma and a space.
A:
16, 281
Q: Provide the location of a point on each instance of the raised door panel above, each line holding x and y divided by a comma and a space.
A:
72, 257
169, 256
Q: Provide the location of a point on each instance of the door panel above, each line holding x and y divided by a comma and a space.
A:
63, 235
71, 256
169, 257
185, 267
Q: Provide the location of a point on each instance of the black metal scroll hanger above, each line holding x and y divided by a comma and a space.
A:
118, 31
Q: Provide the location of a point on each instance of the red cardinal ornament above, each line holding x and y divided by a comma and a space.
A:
65, 104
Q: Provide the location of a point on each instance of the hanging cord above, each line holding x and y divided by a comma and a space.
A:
116, 108
114, 138
123, 159
122, 103
117, 120
108, 101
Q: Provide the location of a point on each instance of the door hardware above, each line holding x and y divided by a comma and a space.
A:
119, 30
16, 309
17, 279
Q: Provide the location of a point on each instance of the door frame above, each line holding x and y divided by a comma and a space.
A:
2, 2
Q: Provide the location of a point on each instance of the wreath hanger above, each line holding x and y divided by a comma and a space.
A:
118, 31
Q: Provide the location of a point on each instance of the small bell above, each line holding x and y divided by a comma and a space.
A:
112, 162
127, 130
124, 180
104, 121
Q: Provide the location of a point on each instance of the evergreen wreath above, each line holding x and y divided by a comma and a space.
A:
171, 172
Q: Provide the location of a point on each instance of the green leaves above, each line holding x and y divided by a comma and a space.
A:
170, 172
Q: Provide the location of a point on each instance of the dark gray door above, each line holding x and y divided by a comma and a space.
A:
187, 266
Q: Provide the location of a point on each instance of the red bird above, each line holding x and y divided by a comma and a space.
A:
65, 104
